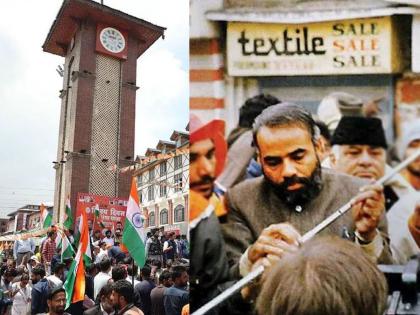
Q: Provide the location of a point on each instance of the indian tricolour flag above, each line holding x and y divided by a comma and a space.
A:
45, 216
68, 221
75, 283
134, 236
67, 250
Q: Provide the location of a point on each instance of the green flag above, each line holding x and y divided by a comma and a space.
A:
68, 222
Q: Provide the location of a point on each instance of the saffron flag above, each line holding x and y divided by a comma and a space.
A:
75, 283
45, 216
134, 235
68, 221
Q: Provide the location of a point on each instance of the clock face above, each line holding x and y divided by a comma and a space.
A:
112, 40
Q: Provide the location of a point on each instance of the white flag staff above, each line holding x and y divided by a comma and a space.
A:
306, 237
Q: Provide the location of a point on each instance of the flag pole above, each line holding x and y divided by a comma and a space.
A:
307, 236
132, 271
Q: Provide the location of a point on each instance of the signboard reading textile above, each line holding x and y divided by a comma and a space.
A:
359, 46
111, 210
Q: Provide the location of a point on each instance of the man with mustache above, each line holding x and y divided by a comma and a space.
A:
267, 215
208, 265
359, 149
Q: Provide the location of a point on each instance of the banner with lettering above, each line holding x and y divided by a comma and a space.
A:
111, 210
360, 46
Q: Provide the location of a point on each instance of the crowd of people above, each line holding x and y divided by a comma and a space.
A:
281, 172
33, 277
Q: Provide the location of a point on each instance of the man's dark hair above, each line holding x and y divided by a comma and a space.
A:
165, 275
323, 128
328, 276
125, 289
119, 272
58, 266
105, 291
91, 267
253, 107
10, 273
128, 260
39, 271
286, 114
53, 291
108, 231
157, 263
177, 271
132, 270
105, 264
146, 271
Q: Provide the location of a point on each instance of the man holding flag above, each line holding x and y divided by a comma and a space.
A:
48, 251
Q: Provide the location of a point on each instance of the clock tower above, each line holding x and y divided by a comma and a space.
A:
100, 46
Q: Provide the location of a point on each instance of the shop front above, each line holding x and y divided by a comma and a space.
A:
303, 63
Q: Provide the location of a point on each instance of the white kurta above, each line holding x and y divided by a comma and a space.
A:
22, 300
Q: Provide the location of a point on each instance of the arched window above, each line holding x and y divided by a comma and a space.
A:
164, 217
179, 213
152, 219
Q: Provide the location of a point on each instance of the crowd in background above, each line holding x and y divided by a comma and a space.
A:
32, 276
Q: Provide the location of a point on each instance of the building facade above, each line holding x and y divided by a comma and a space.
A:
301, 51
26, 218
163, 184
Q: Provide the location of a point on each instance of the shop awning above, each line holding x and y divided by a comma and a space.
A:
296, 17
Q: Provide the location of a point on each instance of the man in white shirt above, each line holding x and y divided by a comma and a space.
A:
108, 239
55, 278
132, 272
22, 248
101, 279
102, 252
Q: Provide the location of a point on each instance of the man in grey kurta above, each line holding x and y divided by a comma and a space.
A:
268, 214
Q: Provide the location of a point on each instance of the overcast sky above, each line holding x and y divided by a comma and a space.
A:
29, 88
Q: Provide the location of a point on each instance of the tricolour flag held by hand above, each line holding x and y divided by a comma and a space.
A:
68, 221
46, 217
75, 283
134, 236
67, 250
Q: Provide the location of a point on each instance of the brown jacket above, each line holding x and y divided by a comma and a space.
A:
253, 207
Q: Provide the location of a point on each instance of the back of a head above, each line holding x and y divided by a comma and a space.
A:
105, 264
39, 270
177, 271
337, 104
327, 276
119, 272
132, 270
165, 275
146, 271
253, 107
59, 267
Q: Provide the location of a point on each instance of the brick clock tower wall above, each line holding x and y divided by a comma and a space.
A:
97, 124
